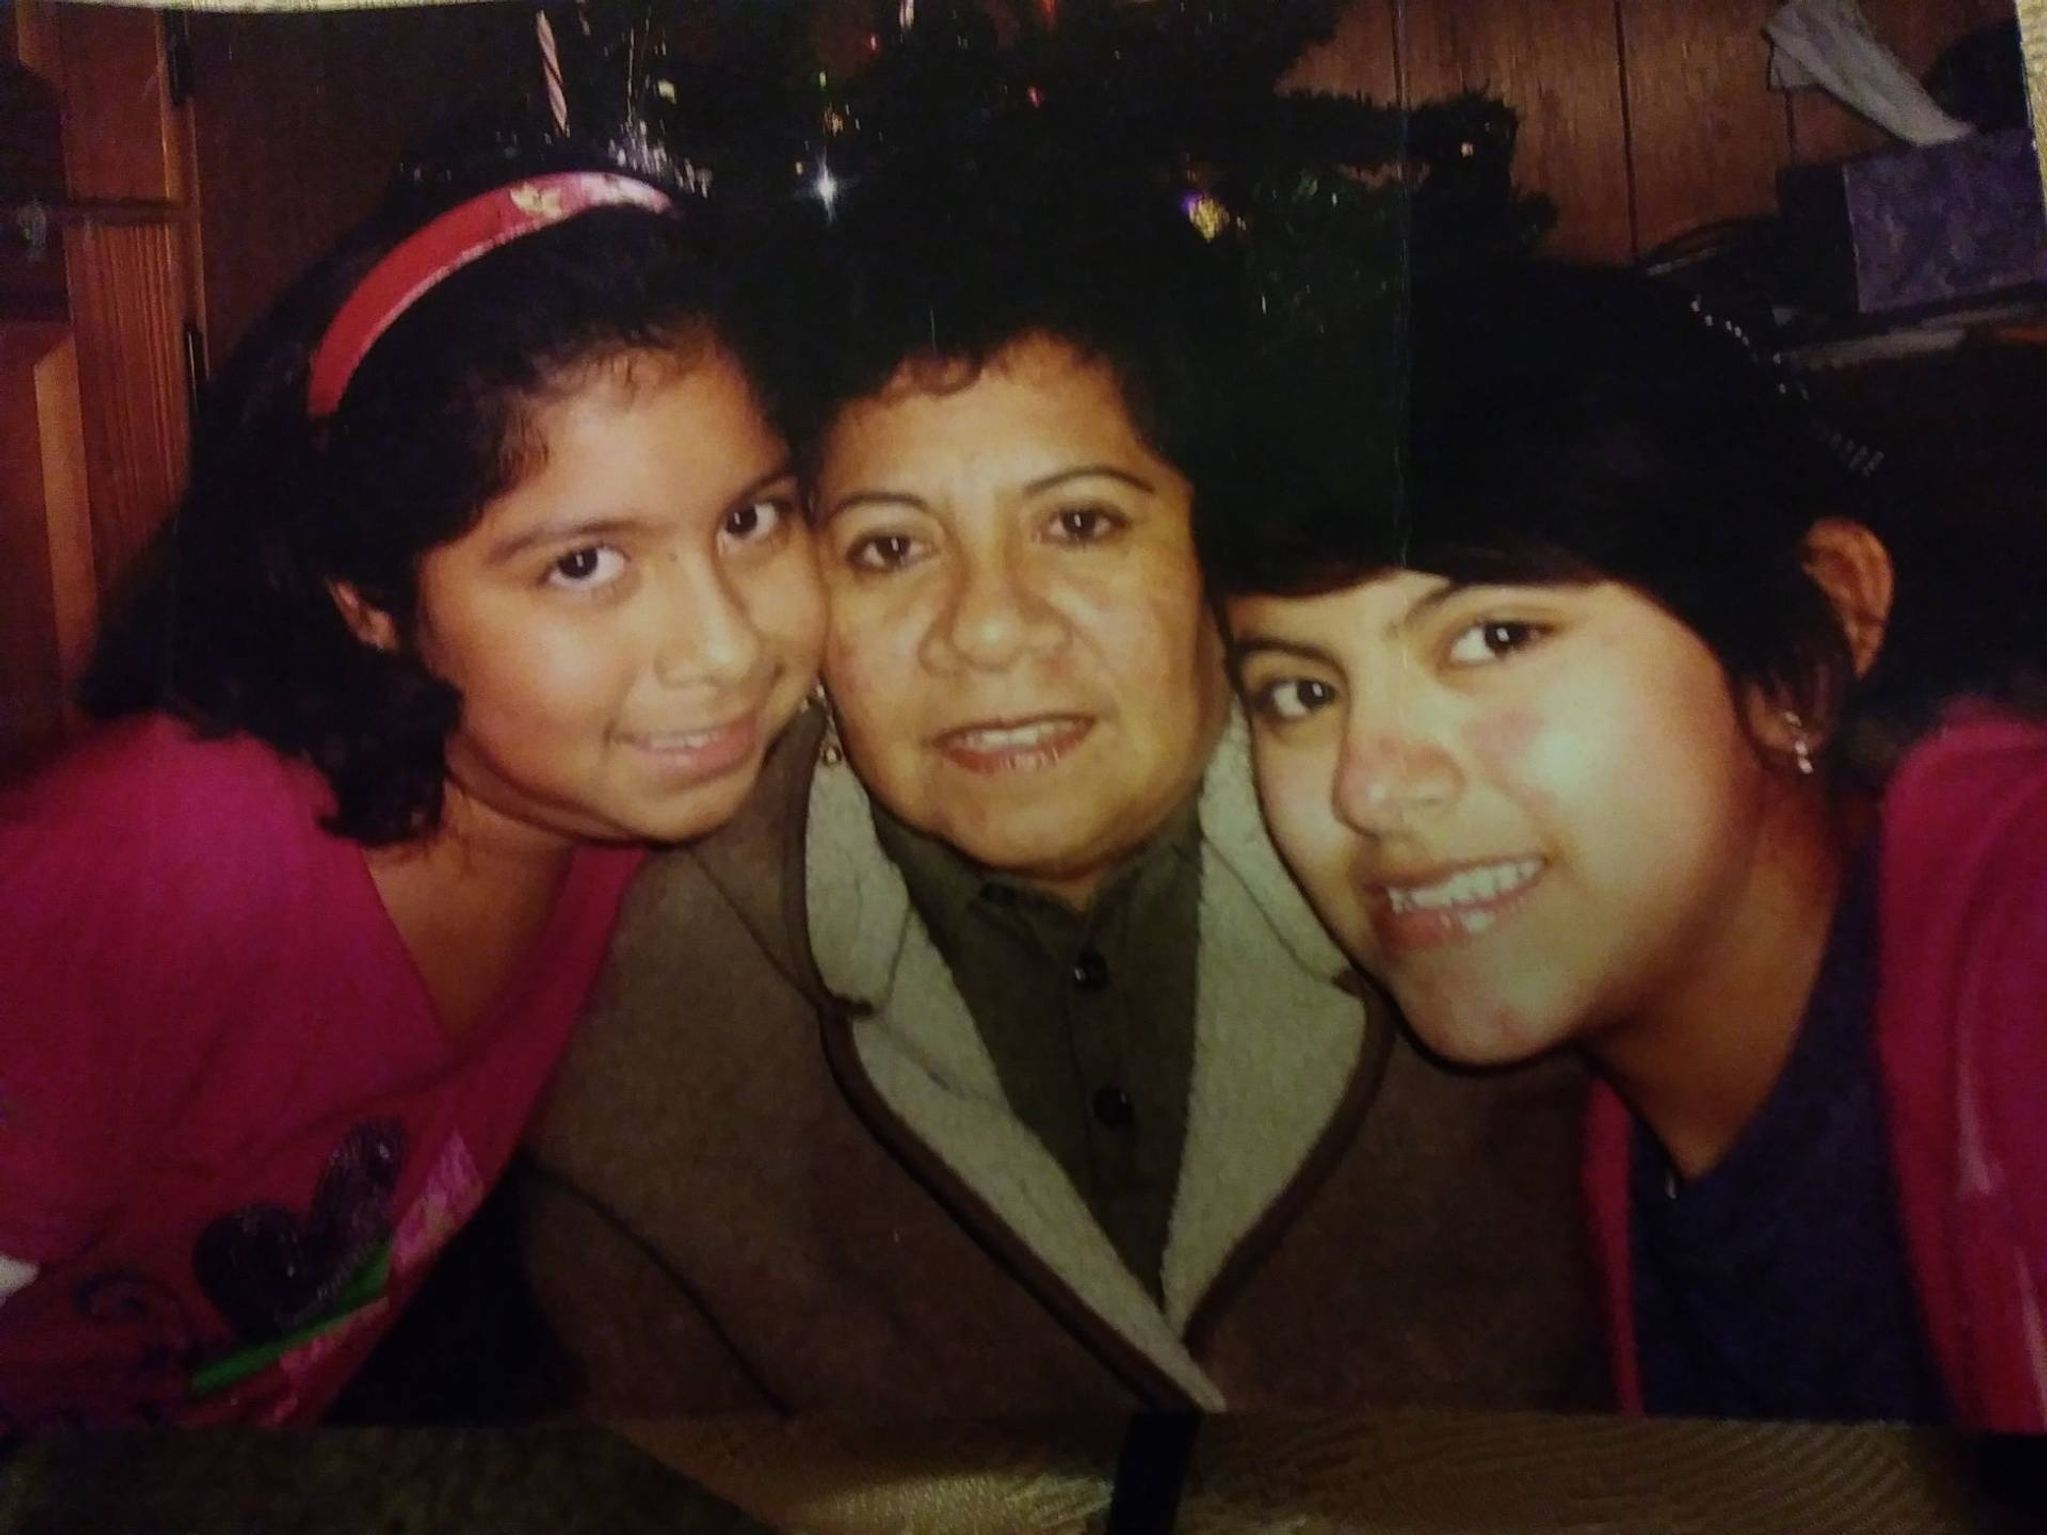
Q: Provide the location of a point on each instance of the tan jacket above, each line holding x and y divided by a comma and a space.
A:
778, 1169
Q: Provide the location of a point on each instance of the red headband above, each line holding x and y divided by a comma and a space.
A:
445, 246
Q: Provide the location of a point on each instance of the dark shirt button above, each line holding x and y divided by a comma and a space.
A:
1114, 1108
1090, 971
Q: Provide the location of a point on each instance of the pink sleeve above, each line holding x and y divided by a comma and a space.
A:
1604, 1184
62, 1060
1962, 1031
116, 905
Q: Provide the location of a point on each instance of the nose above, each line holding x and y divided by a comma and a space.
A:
1390, 779
997, 613
707, 636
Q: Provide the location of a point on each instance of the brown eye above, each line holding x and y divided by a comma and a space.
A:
592, 566
755, 521
1085, 524
882, 552
1292, 698
1494, 640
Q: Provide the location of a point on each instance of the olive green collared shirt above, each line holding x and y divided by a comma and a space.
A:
1088, 1015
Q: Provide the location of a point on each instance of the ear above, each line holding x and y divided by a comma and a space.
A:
370, 624
1850, 564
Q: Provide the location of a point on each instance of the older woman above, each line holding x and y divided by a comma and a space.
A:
992, 1063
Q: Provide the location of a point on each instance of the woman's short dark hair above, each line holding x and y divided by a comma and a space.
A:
1566, 425
233, 625
932, 265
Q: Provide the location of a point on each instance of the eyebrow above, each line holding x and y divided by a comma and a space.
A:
1243, 650
1429, 601
858, 498
606, 527
1090, 472
904, 499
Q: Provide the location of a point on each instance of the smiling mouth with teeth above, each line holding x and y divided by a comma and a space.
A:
1457, 906
1015, 746
699, 754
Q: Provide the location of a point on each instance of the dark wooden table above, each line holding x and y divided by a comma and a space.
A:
1399, 1473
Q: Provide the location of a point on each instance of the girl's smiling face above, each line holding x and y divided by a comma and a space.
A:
631, 623
1535, 812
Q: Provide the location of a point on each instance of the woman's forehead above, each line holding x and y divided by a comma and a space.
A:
1036, 407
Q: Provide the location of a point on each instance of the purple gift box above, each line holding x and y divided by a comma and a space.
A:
1921, 228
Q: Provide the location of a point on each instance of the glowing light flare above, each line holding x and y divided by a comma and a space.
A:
1206, 213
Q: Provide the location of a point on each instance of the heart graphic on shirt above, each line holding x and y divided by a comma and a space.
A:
271, 1272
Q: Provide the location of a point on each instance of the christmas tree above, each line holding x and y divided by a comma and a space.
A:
1331, 197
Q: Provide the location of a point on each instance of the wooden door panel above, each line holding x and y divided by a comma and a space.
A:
1706, 137
1558, 64
1361, 58
47, 593
118, 136
128, 313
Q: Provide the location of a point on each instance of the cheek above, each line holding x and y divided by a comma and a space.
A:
1150, 632
1501, 739
550, 673
786, 606
509, 663
870, 668
1294, 791
1542, 764
863, 638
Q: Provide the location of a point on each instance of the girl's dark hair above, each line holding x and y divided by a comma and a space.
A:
932, 265
233, 624
1568, 425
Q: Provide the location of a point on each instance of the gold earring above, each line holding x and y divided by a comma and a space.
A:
829, 751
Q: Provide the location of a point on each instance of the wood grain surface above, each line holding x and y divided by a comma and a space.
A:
1397, 1473
1705, 138
552, 1481
1642, 119
1558, 64
1361, 58
128, 308
299, 122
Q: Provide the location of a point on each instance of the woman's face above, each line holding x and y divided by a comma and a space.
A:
1533, 811
633, 622
1019, 652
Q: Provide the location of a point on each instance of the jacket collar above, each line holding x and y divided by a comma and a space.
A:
1277, 1045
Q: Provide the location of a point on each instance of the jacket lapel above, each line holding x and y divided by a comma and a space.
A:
1276, 1042
1276, 1045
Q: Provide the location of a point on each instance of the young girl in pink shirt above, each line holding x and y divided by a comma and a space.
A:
489, 573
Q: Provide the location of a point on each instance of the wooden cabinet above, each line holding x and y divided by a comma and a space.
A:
97, 291
162, 176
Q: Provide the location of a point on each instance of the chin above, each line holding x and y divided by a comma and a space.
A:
1495, 1031
687, 823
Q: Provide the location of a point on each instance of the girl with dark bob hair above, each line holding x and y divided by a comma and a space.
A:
490, 572
1556, 734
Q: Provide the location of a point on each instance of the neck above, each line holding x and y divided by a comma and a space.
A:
475, 841
1697, 1063
1077, 893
